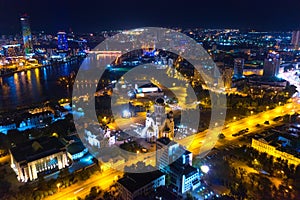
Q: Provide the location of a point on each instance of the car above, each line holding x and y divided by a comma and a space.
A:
226, 127
257, 125
267, 122
276, 119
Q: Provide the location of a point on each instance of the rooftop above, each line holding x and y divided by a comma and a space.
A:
75, 148
279, 138
186, 170
37, 149
166, 141
135, 181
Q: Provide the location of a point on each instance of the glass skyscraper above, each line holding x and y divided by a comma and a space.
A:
62, 41
27, 38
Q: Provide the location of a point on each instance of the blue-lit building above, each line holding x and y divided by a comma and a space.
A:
238, 68
173, 159
62, 41
27, 37
76, 150
184, 177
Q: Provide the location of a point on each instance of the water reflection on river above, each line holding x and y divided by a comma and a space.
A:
34, 86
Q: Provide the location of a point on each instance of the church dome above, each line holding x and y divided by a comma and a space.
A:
160, 101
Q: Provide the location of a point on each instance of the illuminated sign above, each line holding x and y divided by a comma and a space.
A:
147, 90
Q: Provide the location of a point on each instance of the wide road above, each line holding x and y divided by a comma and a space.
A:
204, 141
81, 189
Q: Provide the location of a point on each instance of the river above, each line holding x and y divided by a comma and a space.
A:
34, 86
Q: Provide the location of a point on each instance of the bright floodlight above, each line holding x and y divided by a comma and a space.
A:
126, 114
204, 169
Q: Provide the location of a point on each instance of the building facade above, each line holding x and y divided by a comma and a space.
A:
167, 152
98, 137
158, 124
184, 177
262, 145
62, 41
227, 78
136, 185
12, 50
173, 159
37, 157
296, 39
238, 68
27, 37
271, 65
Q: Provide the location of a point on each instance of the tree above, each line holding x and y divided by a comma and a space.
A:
238, 190
4, 187
252, 179
107, 195
64, 173
241, 191
42, 184
168, 180
189, 196
242, 172
93, 193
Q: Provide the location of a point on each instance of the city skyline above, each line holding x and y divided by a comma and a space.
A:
53, 16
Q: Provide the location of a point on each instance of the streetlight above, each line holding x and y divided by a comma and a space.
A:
204, 169
104, 120
234, 118
58, 186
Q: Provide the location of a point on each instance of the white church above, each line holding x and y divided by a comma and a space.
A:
158, 124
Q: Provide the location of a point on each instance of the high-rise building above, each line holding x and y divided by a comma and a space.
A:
27, 37
62, 41
227, 78
271, 65
296, 39
238, 67
176, 161
167, 151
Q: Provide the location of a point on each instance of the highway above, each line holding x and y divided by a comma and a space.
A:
206, 140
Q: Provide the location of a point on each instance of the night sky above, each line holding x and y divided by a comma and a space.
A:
97, 15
